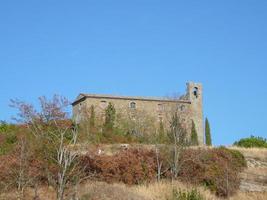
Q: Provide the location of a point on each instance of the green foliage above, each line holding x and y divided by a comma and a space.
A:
194, 138
161, 137
8, 143
161, 128
132, 127
11, 138
207, 133
8, 137
238, 159
252, 141
110, 115
5, 127
186, 195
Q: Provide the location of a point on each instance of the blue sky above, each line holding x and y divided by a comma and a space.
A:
141, 47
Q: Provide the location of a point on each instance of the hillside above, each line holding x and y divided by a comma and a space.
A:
254, 178
253, 183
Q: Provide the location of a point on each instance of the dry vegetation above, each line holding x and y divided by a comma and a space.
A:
256, 153
41, 160
118, 191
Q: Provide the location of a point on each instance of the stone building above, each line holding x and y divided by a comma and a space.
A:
189, 107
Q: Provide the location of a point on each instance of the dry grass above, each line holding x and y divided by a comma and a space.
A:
156, 191
163, 190
256, 153
45, 193
110, 149
250, 196
104, 191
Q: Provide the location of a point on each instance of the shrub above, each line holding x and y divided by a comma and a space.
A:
252, 141
110, 115
217, 169
8, 137
7, 143
5, 127
238, 159
207, 133
132, 166
19, 167
186, 195
194, 138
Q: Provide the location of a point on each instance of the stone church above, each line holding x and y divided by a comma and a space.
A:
188, 106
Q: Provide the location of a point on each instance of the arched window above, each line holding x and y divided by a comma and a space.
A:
103, 104
195, 92
182, 108
160, 107
133, 105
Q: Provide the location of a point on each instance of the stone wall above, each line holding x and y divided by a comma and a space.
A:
189, 107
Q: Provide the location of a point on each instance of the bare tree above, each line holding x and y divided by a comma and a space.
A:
22, 179
55, 136
177, 134
52, 113
65, 161
137, 122
159, 162
15, 169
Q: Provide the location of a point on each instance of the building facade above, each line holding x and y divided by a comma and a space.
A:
189, 107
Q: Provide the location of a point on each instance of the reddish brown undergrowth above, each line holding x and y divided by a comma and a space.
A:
217, 169
131, 166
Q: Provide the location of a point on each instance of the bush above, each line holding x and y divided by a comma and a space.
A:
252, 142
186, 195
217, 169
8, 137
132, 166
15, 168
7, 143
5, 127
238, 159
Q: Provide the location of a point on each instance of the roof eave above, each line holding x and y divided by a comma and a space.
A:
127, 98
78, 100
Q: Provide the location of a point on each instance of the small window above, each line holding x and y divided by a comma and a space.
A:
195, 92
182, 108
80, 106
160, 118
160, 107
133, 105
103, 104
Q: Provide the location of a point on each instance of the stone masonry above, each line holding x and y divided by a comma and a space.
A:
189, 107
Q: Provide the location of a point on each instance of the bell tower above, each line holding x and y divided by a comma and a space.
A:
195, 96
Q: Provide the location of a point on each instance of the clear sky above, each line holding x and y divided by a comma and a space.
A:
140, 47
